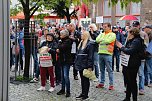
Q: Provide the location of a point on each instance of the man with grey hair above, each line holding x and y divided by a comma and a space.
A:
65, 57
74, 35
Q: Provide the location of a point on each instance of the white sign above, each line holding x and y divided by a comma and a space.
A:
124, 59
46, 60
85, 22
99, 19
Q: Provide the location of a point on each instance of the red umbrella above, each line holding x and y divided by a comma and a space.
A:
128, 17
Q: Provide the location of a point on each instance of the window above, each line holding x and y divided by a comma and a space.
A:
120, 11
107, 20
121, 22
135, 8
107, 9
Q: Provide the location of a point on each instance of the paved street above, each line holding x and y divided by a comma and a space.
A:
28, 92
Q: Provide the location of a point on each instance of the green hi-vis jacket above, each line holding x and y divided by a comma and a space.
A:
106, 43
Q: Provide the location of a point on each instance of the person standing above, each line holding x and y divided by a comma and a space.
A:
106, 42
20, 46
75, 37
64, 50
141, 75
84, 60
94, 33
47, 61
132, 50
116, 52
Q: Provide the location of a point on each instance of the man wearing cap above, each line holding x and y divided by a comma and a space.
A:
148, 69
141, 75
116, 52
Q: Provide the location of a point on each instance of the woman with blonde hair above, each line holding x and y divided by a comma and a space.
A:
84, 60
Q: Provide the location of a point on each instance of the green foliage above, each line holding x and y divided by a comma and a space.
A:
123, 3
22, 79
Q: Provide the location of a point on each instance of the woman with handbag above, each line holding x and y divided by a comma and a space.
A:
47, 60
131, 61
84, 60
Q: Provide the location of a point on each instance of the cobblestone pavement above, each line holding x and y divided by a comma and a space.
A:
28, 92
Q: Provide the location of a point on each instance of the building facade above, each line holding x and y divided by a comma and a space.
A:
112, 14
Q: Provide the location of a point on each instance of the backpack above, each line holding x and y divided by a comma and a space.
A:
143, 53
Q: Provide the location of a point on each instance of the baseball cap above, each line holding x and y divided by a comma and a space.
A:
115, 27
148, 26
135, 23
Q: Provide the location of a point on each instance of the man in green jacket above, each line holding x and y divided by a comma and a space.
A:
106, 42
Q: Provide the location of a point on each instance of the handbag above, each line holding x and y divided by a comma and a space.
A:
89, 74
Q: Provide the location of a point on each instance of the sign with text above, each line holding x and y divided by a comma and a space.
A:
99, 19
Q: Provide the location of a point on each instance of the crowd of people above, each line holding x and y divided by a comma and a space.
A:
56, 49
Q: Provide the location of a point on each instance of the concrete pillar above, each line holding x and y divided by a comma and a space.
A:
4, 49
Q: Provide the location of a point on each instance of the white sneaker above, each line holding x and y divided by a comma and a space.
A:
41, 88
51, 89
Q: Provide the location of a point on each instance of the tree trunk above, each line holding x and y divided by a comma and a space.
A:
27, 46
68, 18
146, 12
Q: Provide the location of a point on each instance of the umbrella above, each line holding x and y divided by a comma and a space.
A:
128, 17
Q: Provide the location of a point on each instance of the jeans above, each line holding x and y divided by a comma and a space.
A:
149, 69
75, 72
146, 75
58, 72
105, 61
117, 55
34, 54
141, 75
19, 58
65, 77
96, 67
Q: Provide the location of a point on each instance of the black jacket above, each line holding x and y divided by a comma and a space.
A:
65, 46
133, 48
77, 37
53, 46
94, 36
84, 58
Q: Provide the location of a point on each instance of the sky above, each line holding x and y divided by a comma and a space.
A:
14, 2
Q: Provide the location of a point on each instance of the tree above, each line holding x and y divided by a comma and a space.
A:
62, 7
124, 3
28, 13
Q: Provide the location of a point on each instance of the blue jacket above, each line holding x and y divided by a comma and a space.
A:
84, 58
20, 39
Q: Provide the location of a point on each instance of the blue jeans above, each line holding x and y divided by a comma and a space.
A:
105, 61
96, 67
34, 54
149, 69
117, 55
146, 75
141, 75
65, 77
